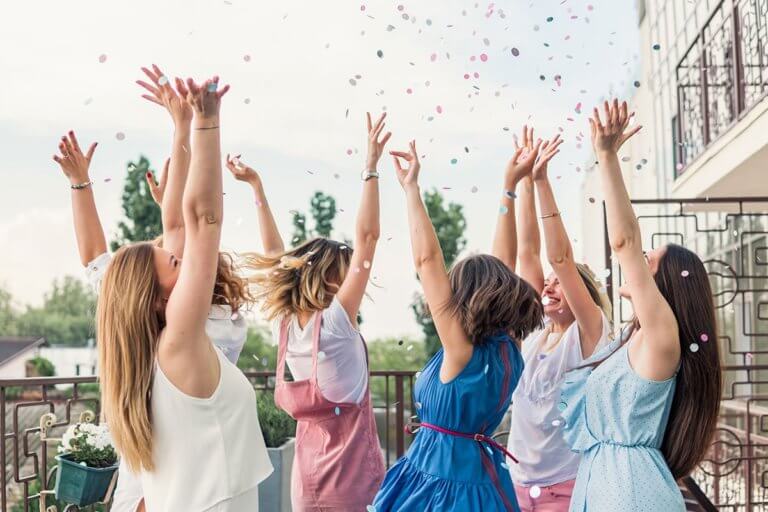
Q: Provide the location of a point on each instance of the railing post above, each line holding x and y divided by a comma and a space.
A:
399, 414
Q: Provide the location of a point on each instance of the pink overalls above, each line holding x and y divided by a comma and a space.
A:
338, 463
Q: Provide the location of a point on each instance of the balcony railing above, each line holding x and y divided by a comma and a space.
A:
721, 77
26, 462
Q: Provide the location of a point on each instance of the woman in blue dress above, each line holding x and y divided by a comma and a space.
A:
642, 411
480, 310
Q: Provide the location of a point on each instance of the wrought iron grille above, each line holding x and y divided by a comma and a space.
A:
731, 237
723, 75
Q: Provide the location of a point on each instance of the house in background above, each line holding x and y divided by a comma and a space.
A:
15, 351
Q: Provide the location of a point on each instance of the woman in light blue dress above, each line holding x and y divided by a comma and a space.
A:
642, 411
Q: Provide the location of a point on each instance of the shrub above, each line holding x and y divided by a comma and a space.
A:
276, 425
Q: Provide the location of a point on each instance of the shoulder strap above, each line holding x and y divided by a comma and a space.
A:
316, 341
282, 347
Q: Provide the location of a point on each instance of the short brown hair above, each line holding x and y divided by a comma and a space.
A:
489, 298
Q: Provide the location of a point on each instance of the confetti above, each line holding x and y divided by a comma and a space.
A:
545, 301
556, 423
637, 83
409, 90
657, 47
454, 161
510, 194
562, 406
550, 19
162, 80
515, 52
235, 316
102, 58
591, 199
212, 87
337, 410
484, 57
370, 508
439, 109
503, 210
534, 491
694, 347
400, 342
120, 136
704, 337
685, 273
433, 57
247, 101
352, 82
247, 58
485, 370
380, 54
418, 405
474, 190
321, 355
409, 348
366, 264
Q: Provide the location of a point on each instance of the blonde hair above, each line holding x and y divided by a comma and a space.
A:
129, 318
302, 279
595, 290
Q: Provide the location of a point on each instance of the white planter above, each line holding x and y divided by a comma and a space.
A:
275, 491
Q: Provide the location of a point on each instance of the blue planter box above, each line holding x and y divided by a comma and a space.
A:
80, 485
275, 491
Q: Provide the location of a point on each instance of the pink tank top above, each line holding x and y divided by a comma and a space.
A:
338, 462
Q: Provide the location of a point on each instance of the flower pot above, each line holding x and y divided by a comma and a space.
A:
81, 485
275, 491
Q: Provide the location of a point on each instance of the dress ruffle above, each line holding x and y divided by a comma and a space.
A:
406, 488
573, 410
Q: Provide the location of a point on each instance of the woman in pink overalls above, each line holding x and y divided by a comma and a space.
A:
312, 294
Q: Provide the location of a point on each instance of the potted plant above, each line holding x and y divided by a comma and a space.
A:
87, 464
279, 430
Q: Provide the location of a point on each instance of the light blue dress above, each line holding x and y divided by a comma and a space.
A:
445, 473
617, 419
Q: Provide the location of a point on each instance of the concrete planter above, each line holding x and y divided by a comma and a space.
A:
275, 491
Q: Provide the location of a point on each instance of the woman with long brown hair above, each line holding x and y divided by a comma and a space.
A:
642, 411
178, 410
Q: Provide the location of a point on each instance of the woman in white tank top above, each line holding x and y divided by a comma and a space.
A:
577, 321
178, 410
225, 326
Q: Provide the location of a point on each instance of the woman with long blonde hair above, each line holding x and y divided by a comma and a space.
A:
226, 325
312, 295
577, 322
178, 410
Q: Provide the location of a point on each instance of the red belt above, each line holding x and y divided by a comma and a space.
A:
480, 438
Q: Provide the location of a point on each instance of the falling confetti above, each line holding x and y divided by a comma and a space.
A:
366, 264
247, 101
545, 301
120, 136
556, 423
337, 410
704, 337
534, 491
503, 210
515, 52
474, 190
591, 199
694, 347
510, 194
102, 58
247, 58
321, 355
380, 54
637, 83
657, 47
418, 405
685, 273
484, 57
454, 161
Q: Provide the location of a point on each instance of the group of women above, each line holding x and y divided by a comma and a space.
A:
599, 421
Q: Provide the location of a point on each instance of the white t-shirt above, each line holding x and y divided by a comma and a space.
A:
342, 372
535, 437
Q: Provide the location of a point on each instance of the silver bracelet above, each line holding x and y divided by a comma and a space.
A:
81, 186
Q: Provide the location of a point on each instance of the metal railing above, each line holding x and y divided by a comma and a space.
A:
27, 463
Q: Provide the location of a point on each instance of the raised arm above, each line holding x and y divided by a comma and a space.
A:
659, 353
164, 95
270, 237
560, 255
202, 207
430, 267
367, 229
88, 231
519, 166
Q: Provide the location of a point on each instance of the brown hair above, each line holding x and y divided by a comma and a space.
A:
489, 298
129, 318
305, 278
683, 282
593, 288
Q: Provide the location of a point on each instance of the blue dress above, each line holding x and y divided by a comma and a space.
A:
442, 472
617, 419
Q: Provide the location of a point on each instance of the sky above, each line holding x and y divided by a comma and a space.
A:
303, 74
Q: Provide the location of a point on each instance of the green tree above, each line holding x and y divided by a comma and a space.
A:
7, 314
322, 207
258, 353
43, 366
142, 215
66, 316
450, 225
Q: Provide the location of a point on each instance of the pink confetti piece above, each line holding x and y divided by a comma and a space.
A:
247, 58
102, 58
484, 57
439, 109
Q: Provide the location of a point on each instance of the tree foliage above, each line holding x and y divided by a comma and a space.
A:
142, 215
322, 208
450, 224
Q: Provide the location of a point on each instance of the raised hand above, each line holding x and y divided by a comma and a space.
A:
522, 162
164, 95
158, 189
375, 146
240, 171
548, 150
409, 176
205, 98
73, 162
609, 137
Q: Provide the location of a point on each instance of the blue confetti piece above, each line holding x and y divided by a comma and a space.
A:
503, 210
485, 370
212, 87
337, 411
562, 406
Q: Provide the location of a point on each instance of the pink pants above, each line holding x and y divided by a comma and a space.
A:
555, 498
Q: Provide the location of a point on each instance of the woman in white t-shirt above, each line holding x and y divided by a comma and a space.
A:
577, 320
312, 294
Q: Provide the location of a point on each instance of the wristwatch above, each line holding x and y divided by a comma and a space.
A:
368, 174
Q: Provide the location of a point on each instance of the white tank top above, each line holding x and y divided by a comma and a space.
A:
208, 452
535, 436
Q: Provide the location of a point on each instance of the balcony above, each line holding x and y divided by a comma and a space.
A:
720, 133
